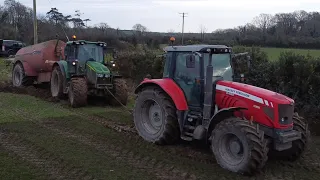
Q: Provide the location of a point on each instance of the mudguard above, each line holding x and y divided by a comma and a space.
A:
170, 87
27, 68
221, 115
63, 67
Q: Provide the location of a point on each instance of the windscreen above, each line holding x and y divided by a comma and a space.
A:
87, 51
221, 65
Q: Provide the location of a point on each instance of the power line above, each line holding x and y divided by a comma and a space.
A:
183, 16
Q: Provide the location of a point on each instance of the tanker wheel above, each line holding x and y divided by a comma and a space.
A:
155, 117
19, 78
239, 146
56, 83
298, 146
120, 92
78, 92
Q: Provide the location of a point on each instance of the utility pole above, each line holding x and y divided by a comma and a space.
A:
183, 16
35, 26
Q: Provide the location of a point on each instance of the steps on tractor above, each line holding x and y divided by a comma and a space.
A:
190, 126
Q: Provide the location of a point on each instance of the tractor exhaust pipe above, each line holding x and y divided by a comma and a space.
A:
207, 103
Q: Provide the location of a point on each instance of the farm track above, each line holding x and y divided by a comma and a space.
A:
184, 150
53, 166
144, 163
147, 163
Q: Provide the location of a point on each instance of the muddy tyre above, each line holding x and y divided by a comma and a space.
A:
298, 146
239, 146
56, 83
78, 92
120, 92
155, 117
19, 78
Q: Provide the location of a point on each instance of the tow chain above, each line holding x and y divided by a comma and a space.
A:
125, 107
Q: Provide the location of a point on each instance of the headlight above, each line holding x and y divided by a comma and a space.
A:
100, 75
113, 65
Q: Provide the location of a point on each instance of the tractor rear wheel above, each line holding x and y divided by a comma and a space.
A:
120, 92
298, 146
239, 146
19, 78
78, 92
155, 117
56, 83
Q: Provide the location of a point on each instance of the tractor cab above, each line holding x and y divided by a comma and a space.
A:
187, 66
82, 55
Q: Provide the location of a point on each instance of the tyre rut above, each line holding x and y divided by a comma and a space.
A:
52, 165
145, 163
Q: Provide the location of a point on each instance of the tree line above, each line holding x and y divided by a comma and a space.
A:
299, 29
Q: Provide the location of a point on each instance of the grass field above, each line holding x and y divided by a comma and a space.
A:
40, 139
274, 53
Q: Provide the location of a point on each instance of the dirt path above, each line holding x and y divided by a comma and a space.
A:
306, 168
52, 165
144, 163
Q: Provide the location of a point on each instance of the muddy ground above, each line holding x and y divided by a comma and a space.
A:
43, 138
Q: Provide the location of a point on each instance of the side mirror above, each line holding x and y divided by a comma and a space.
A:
191, 61
249, 61
114, 54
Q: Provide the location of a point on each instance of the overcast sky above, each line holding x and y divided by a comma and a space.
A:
163, 15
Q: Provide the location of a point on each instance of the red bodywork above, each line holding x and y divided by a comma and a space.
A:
171, 88
37, 60
232, 94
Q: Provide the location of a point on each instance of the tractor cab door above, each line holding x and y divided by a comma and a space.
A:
70, 56
188, 77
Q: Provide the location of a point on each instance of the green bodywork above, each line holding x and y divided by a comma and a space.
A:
98, 67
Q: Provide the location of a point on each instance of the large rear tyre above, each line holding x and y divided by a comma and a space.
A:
120, 92
19, 78
78, 92
239, 146
298, 146
155, 117
56, 83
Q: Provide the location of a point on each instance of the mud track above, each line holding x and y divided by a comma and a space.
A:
184, 149
52, 165
159, 168
144, 163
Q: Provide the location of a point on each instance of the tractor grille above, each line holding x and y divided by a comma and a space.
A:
285, 113
103, 80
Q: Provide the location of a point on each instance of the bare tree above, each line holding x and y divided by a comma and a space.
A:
263, 21
140, 28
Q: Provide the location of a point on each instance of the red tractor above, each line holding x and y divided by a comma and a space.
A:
198, 99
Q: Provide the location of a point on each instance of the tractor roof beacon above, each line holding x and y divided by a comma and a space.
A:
198, 98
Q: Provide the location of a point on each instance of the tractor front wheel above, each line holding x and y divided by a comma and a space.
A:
78, 92
239, 146
120, 92
56, 83
155, 117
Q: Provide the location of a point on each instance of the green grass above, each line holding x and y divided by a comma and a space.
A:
4, 70
274, 53
12, 168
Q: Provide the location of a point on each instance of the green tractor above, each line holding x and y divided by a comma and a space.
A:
84, 72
